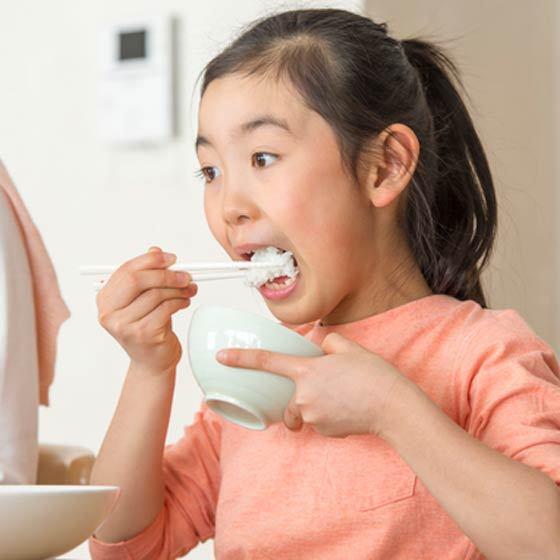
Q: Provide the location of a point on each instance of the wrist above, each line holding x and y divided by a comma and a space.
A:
400, 406
142, 371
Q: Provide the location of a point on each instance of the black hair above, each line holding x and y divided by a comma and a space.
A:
349, 70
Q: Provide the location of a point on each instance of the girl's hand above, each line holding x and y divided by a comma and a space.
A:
341, 393
136, 304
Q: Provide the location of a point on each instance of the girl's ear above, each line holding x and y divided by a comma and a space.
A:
396, 150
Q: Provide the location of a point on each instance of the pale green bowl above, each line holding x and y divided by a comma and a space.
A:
253, 399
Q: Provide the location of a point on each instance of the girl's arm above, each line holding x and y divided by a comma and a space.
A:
136, 306
508, 509
132, 451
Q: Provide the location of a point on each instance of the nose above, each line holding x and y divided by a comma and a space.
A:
238, 206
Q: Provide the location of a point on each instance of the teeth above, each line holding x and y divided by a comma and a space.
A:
280, 285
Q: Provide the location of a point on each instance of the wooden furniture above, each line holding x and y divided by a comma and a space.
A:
64, 464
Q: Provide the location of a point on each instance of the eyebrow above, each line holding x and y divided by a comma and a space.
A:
249, 126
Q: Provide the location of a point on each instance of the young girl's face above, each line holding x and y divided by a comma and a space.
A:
274, 177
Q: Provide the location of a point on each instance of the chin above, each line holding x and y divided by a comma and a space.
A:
296, 313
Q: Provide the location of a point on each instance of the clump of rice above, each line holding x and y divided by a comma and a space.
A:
282, 264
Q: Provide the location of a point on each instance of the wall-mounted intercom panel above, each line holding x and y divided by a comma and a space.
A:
136, 102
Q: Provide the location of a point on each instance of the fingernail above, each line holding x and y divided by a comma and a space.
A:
169, 257
222, 355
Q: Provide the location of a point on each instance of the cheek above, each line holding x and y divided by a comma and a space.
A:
323, 234
213, 218
320, 218
321, 199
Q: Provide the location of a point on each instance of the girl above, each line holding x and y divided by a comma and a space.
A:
431, 426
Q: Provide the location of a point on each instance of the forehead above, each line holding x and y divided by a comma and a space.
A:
235, 99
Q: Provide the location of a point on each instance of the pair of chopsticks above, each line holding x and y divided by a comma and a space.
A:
200, 272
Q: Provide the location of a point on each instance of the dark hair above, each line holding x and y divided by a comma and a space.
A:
360, 80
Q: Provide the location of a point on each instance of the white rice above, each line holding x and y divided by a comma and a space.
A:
282, 265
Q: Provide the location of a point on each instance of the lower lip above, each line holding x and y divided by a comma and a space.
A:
270, 293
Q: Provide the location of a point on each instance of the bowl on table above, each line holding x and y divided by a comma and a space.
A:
44, 521
251, 398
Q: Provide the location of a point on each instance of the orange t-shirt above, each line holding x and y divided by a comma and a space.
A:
277, 494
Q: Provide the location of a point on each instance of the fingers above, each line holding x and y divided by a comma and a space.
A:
137, 304
151, 299
138, 275
160, 317
153, 258
292, 417
274, 362
149, 327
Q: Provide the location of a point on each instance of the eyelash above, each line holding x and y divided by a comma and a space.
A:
201, 175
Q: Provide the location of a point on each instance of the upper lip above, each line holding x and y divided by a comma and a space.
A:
242, 250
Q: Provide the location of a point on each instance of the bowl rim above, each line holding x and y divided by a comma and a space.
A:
275, 322
223, 397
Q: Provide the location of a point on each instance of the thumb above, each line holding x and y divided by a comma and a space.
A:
292, 417
154, 248
335, 343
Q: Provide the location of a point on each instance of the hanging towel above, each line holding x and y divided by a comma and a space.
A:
50, 309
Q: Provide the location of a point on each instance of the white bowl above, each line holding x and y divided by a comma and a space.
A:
251, 398
42, 521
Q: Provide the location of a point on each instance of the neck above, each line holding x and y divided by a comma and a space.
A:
380, 290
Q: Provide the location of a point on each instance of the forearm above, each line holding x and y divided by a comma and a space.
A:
508, 509
132, 451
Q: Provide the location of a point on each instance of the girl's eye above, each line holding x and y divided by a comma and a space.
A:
259, 158
208, 173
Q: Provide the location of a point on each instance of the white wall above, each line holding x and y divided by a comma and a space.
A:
98, 205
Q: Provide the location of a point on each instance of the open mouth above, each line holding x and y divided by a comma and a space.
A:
282, 270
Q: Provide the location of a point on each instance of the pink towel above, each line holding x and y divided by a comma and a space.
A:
50, 309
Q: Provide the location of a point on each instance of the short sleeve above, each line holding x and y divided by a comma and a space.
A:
191, 472
514, 392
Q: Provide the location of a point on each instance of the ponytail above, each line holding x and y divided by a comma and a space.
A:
453, 244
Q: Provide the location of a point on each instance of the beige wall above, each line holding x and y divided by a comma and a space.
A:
508, 54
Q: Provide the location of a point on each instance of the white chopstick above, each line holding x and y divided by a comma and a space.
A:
201, 266
196, 277
205, 271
